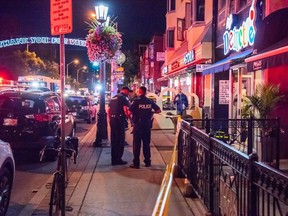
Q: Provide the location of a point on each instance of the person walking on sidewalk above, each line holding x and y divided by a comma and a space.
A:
118, 111
181, 102
142, 110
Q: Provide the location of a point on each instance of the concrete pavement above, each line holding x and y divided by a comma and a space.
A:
97, 188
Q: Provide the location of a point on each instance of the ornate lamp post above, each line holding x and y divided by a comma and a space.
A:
84, 67
75, 61
101, 135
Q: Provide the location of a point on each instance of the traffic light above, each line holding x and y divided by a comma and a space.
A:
96, 66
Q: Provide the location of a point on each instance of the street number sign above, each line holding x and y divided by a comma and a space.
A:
61, 16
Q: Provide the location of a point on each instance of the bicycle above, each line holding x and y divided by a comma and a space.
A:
61, 177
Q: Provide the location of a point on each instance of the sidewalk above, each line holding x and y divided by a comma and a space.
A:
97, 188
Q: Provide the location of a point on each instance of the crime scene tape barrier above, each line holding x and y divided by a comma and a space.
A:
162, 203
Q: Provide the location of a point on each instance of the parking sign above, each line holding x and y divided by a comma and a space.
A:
61, 16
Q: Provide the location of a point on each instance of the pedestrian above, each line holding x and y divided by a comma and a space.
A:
118, 111
142, 109
181, 102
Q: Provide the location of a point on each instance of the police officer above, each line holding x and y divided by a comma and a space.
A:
117, 112
141, 109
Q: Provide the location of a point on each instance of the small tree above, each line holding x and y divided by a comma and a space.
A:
131, 66
262, 102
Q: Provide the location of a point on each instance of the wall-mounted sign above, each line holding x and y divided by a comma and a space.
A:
223, 92
189, 57
119, 69
201, 67
257, 65
160, 56
151, 51
175, 65
238, 38
61, 16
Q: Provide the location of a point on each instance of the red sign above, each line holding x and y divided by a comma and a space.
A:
61, 16
175, 65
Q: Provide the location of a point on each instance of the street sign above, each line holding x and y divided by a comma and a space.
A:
61, 16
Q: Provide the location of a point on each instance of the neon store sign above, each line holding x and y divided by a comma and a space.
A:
237, 38
41, 40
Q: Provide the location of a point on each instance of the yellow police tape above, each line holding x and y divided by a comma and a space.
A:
162, 204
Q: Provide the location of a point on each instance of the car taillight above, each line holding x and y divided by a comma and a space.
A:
39, 117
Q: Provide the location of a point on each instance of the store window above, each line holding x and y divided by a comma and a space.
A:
170, 38
199, 10
171, 5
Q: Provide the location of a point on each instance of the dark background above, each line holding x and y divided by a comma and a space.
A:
137, 20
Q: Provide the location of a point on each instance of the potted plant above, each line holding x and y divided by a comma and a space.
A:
260, 105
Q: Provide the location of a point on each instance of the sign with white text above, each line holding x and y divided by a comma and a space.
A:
224, 92
61, 16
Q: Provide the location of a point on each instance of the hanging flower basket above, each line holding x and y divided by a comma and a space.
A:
102, 42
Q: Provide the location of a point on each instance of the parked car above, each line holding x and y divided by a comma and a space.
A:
82, 106
7, 172
30, 121
168, 106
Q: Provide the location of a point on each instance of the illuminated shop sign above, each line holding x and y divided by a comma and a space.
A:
189, 57
151, 51
237, 38
41, 40
175, 65
164, 70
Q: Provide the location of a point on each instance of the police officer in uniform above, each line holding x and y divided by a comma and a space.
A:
142, 109
117, 112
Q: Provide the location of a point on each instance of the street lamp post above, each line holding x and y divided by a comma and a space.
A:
75, 61
84, 67
102, 134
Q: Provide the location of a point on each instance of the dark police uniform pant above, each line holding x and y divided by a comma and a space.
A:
117, 124
142, 132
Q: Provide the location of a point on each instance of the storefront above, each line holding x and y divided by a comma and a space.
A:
228, 81
270, 62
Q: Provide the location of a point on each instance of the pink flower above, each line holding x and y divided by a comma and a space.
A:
102, 43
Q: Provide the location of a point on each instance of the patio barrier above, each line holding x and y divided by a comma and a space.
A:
230, 181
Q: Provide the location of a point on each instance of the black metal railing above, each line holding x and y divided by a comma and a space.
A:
246, 135
228, 181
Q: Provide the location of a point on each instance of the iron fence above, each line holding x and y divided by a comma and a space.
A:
246, 135
228, 181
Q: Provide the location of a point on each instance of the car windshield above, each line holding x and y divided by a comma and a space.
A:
76, 101
20, 105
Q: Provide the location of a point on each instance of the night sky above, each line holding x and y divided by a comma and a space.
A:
137, 20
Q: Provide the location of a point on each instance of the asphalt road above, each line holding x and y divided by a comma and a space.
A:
31, 175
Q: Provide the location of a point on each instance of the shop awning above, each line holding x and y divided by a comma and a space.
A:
273, 56
271, 42
179, 52
224, 64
